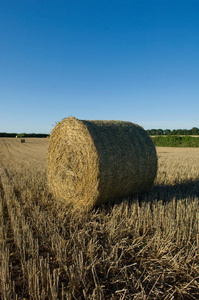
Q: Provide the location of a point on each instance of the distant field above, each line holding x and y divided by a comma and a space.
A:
144, 247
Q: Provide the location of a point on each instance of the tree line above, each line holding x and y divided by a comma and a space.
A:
193, 131
24, 135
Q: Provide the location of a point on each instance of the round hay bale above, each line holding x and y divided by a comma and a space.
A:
90, 162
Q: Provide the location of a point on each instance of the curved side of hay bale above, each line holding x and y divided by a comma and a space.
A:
127, 158
90, 162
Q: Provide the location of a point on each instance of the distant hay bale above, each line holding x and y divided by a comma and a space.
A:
90, 162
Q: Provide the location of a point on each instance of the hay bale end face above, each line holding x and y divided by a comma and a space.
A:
90, 162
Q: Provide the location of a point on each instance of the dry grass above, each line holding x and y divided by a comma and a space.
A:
91, 162
145, 247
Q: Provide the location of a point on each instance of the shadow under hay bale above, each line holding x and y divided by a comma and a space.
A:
90, 162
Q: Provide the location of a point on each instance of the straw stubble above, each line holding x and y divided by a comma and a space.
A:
90, 162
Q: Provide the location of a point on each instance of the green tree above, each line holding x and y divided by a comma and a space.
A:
153, 131
174, 132
167, 131
159, 132
195, 131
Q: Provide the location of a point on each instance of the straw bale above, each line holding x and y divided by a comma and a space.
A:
90, 162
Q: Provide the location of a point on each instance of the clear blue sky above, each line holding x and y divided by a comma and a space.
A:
133, 60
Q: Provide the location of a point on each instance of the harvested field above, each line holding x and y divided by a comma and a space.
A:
144, 247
